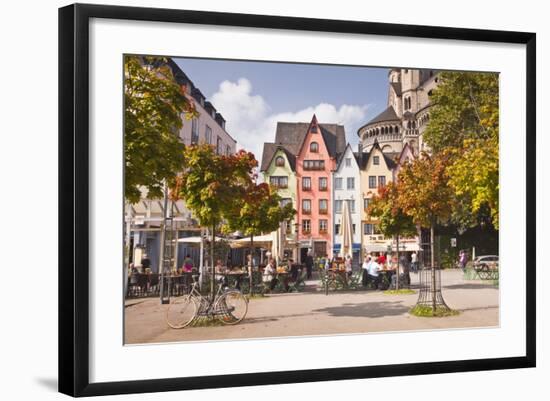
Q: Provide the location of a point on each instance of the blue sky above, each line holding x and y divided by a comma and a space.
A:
253, 96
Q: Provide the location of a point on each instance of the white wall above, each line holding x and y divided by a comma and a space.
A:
29, 166
345, 194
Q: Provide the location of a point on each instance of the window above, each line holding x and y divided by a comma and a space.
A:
353, 228
372, 181
381, 181
338, 183
323, 206
314, 147
286, 201
208, 135
306, 183
348, 162
337, 206
279, 181
337, 229
376, 160
306, 226
314, 164
351, 205
366, 203
306, 206
288, 227
323, 183
314, 129
218, 145
280, 161
367, 229
227, 150
194, 131
351, 182
323, 226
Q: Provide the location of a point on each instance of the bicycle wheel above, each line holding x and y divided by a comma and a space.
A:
231, 307
181, 312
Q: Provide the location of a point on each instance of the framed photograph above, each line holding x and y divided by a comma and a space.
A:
252, 199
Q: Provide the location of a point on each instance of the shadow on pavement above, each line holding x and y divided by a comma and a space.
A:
367, 309
468, 286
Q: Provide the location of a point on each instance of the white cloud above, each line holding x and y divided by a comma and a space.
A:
250, 122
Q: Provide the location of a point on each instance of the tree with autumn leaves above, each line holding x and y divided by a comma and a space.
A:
259, 210
394, 222
222, 190
422, 196
464, 125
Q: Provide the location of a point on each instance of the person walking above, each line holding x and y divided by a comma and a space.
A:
309, 264
414, 262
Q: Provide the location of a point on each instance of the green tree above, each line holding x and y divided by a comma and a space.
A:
210, 185
154, 104
464, 124
258, 211
465, 106
425, 196
394, 222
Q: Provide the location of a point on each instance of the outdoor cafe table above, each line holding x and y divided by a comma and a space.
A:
233, 278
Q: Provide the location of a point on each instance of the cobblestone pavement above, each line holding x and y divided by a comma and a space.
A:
314, 313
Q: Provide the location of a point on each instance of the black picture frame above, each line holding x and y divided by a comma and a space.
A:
74, 198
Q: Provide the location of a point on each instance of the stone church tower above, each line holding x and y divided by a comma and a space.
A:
406, 115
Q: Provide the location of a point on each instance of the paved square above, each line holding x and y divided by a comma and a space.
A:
314, 313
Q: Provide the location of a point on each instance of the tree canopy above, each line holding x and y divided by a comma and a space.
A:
424, 191
259, 210
211, 184
464, 125
393, 220
154, 105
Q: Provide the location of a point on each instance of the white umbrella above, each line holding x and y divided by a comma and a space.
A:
347, 233
275, 240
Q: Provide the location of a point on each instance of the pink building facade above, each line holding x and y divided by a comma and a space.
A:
312, 149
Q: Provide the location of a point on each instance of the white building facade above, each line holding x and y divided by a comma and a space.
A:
346, 187
209, 126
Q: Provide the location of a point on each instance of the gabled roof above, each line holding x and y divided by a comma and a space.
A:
363, 157
269, 151
292, 136
405, 148
341, 157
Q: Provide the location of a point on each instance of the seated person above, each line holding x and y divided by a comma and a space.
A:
293, 269
373, 269
365, 268
269, 277
188, 264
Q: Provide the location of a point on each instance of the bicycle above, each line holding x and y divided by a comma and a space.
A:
229, 306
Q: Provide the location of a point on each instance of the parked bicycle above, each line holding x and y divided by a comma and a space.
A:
227, 305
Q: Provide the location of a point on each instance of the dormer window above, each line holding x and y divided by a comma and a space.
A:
280, 161
314, 147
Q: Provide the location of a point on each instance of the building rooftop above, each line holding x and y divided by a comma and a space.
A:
290, 137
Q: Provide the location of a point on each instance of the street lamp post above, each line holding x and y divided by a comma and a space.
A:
296, 228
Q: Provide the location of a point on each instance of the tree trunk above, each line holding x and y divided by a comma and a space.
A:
432, 249
213, 280
397, 271
250, 264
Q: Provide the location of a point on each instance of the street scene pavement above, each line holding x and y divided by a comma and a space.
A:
313, 313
